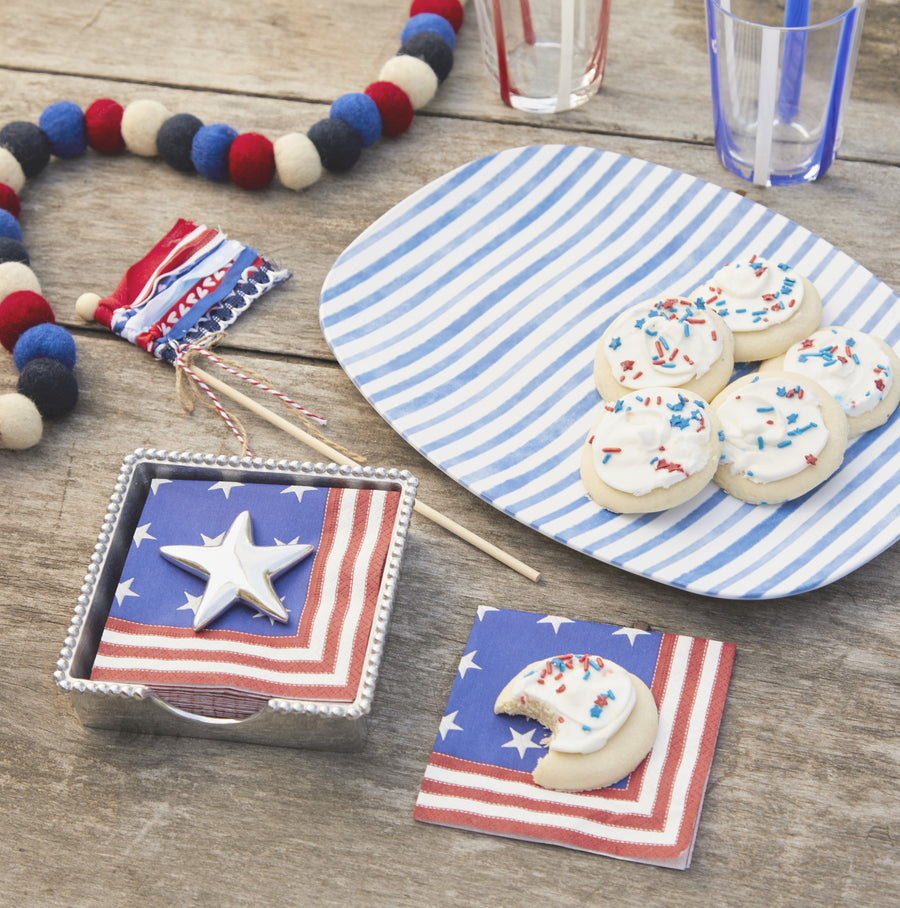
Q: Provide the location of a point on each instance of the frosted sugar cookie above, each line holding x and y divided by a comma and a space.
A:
859, 370
767, 305
651, 450
783, 434
602, 719
668, 342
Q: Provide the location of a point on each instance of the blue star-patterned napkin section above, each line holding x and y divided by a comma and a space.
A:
156, 591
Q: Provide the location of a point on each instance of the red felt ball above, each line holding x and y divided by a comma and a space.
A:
394, 106
9, 200
251, 161
451, 10
103, 126
20, 311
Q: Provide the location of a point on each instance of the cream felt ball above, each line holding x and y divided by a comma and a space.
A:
414, 76
141, 122
21, 425
17, 276
86, 306
11, 171
297, 161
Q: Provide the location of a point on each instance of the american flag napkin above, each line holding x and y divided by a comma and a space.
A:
479, 774
243, 657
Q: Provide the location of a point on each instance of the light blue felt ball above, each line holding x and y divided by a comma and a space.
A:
209, 150
9, 226
360, 112
46, 340
428, 22
63, 124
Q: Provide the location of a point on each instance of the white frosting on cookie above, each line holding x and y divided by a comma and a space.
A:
663, 342
772, 429
587, 699
850, 366
752, 294
651, 440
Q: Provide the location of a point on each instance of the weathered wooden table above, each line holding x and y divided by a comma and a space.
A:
802, 805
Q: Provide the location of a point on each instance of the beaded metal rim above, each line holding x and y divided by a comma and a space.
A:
407, 82
361, 704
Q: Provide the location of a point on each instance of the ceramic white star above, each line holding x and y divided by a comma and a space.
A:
521, 742
237, 571
448, 724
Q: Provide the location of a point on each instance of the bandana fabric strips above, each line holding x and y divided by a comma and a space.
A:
193, 284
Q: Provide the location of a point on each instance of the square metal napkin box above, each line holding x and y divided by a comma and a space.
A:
318, 724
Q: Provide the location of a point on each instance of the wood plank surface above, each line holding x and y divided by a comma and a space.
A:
802, 803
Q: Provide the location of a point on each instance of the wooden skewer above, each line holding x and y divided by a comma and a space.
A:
337, 457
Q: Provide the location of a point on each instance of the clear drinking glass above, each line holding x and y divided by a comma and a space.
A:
544, 55
781, 72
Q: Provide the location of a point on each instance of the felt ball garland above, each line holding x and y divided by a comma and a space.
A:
43, 352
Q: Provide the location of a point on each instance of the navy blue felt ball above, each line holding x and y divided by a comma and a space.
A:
175, 139
45, 340
433, 49
209, 150
13, 251
429, 22
63, 125
360, 112
338, 144
9, 226
50, 385
27, 144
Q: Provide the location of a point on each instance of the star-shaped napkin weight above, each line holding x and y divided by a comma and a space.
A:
238, 598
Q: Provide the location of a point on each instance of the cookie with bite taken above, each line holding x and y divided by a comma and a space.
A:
602, 719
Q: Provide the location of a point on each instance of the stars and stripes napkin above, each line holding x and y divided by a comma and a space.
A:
479, 774
243, 658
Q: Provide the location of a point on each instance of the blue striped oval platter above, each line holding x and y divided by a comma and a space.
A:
468, 316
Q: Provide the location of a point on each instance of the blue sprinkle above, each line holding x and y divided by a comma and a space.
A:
759, 442
615, 343
785, 443
721, 435
764, 409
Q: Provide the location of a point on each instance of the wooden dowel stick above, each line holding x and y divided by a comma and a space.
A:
337, 457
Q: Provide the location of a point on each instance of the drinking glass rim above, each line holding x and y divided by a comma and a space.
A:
852, 5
